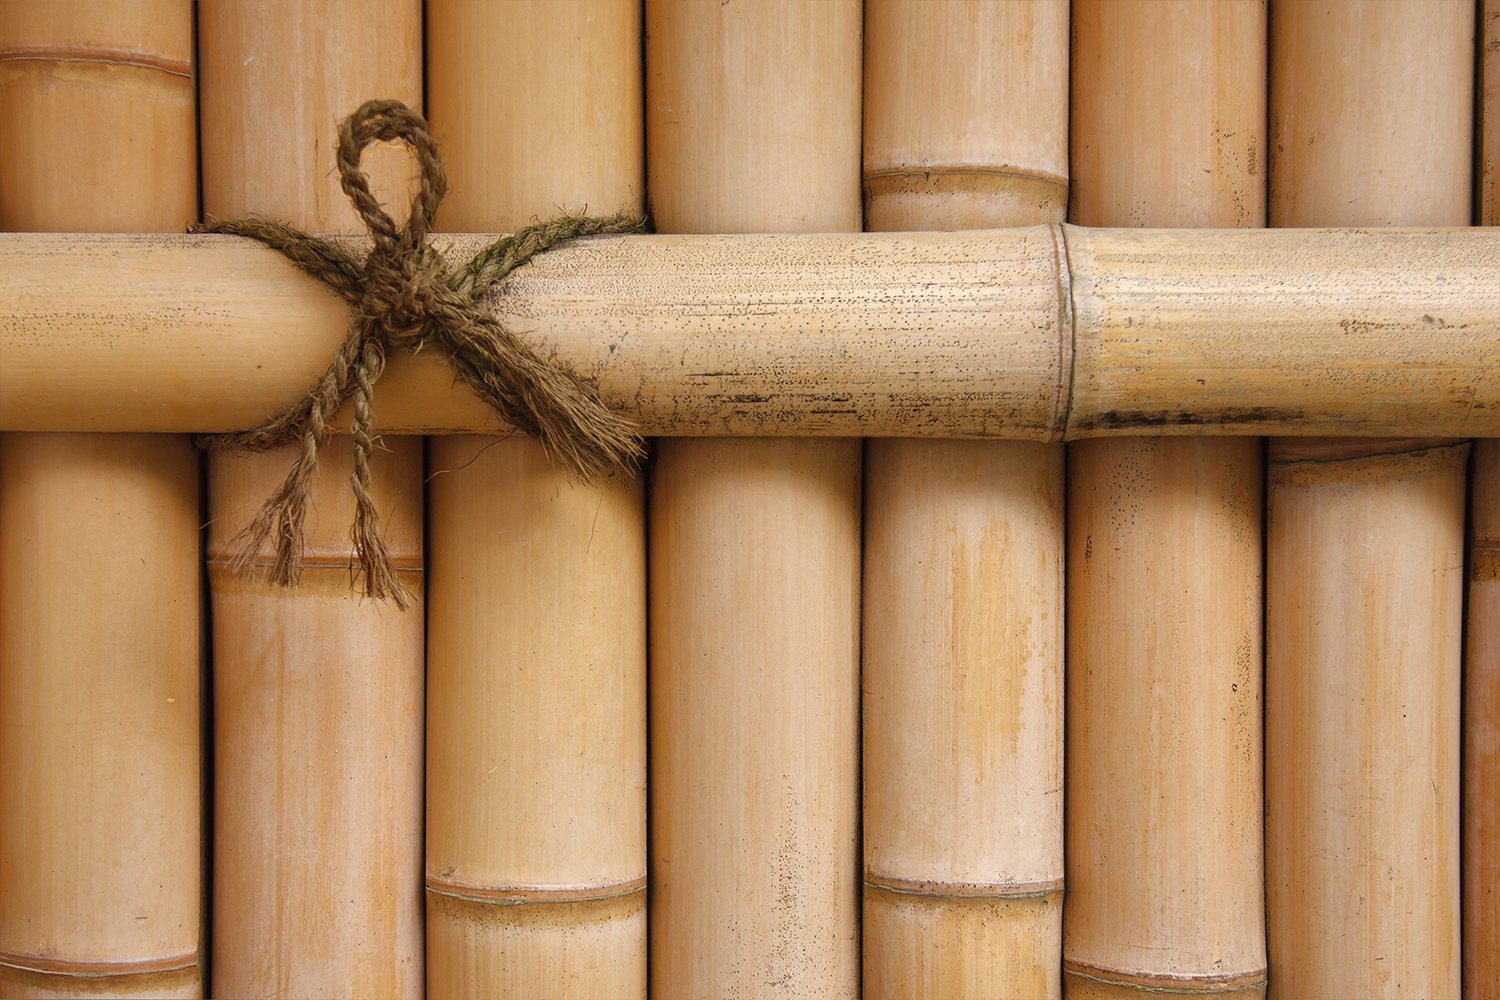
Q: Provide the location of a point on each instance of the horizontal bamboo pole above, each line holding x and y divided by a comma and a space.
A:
1035, 333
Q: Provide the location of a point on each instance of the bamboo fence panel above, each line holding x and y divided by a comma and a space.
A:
965, 126
101, 890
1481, 763
536, 699
1371, 124
753, 124
1164, 546
318, 695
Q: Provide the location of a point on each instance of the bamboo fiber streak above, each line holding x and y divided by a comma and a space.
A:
965, 125
100, 656
1371, 115
536, 776
1165, 874
753, 125
318, 696
1133, 331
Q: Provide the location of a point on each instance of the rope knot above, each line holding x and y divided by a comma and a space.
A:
404, 298
405, 294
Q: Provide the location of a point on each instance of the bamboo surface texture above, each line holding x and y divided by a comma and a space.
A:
963, 719
1481, 762
1362, 852
1488, 120
536, 698
966, 114
96, 117
965, 126
318, 695
1133, 331
317, 885
100, 657
1183, 146
1371, 124
753, 124
1164, 546
1360, 88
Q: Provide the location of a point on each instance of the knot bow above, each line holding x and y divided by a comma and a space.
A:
404, 297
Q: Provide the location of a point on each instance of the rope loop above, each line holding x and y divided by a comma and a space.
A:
405, 298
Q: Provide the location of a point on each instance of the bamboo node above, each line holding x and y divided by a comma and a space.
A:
405, 297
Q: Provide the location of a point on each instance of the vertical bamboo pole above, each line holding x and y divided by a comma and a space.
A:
965, 126
1481, 851
1165, 888
965, 114
1481, 763
1371, 124
318, 694
536, 764
100, 729
1488, 119
753, 125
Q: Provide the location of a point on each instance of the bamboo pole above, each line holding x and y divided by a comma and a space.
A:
962, 720
318, 696
754, 543
536, 764
1481, 851
1488, 119
1481, 763
1129, 332
1355, 745
1371, 124
1164, 546
965, 126
101, 890
965, 114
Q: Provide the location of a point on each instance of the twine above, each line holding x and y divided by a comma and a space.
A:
405, 298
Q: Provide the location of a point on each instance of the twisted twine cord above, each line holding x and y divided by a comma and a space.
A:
405, 297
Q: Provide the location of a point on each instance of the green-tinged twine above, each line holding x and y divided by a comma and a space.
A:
405, 298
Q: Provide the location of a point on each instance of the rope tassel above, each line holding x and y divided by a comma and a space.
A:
405, 298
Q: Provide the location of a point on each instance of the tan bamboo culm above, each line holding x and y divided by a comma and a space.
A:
1164, 545
318, 694
1370, 125
1481, 761
1482, 732
965, 126
1027, 334
100, 724
536, 653
753, 124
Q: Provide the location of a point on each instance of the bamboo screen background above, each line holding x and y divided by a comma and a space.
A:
792, 717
